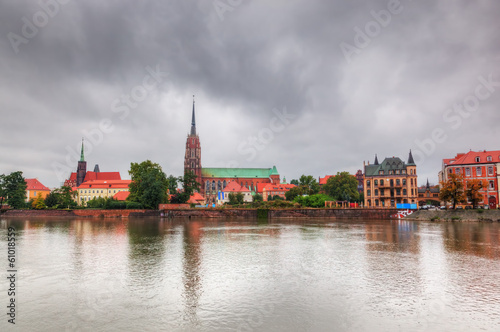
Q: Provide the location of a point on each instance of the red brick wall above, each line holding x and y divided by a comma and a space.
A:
174, 206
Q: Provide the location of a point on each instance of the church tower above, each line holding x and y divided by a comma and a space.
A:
81, 170
192, 159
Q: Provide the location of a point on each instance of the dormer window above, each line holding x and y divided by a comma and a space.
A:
478, 159
489, 158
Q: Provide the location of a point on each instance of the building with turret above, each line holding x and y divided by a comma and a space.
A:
391, 182
214, 180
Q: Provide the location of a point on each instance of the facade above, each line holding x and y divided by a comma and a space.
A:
391, 182
428, 194
35, 187
100, 188
214, 180
270, 190
234, 187
480, 165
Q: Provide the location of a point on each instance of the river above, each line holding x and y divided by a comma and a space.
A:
151, 274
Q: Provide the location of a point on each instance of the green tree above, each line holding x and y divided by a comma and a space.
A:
308, 184
13, 189
472, 191
453, 189
342, 187
295, 182
316, 201
189, 186
172, 184
52, 199
149, 184
66, 197
39, 202
292, 193
257, 198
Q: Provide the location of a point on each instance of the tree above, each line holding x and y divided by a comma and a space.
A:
13, 189
149, 184
316, 201
472, 191
258, 198
295, 182
453, 189
39, 202
52, 199
308, 184
292, 193
342, 187
67, 197
172, 184
189, 185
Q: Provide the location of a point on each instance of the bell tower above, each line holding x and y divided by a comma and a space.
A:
192, 159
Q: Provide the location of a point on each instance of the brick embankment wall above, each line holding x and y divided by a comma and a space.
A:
334, 213
455, 215
81, 213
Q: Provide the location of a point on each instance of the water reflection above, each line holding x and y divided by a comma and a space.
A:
480, 239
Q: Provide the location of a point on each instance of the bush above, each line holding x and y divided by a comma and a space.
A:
133, 205
316, 201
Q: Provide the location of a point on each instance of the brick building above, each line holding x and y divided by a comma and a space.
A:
214, 180
391, 182
428, 194
480, 165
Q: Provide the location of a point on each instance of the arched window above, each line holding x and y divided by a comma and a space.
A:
224, 184
219, 185
488, 158
192, 164
246, 184
213, 185
192, 153
207, 186
478, 159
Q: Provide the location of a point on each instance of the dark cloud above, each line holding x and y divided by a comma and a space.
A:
261, 57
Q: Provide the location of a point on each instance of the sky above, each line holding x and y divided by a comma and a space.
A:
313, 87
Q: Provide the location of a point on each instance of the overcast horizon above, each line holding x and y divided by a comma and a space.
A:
311, 87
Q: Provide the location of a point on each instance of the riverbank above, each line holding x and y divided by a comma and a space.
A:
455, 215
210, 213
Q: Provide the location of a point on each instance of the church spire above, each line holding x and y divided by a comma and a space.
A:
427, 186
376, 160
410, 159
193, 122
82, 157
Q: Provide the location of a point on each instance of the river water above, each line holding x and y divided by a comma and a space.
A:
233, 275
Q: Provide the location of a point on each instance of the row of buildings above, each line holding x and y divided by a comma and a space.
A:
383, 184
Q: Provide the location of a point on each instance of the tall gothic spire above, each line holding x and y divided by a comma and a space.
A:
82, 158
410, 159
193, 122
376, 160
427, 186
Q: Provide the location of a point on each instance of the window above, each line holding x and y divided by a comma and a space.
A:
381, 182
479, 171
224, 184
411, 180
403, 171
412, 191
398, 182
492, 185
192, 141
207, 186
376, 202
488, 158
391, 172
457, 170
391, 181
381, 192
467, 171
449, 170
375, 182
478, 159
381, 172
213, 185
490, 170
404, 192
192, 153
376, 192
397, 171
404, 182
368, 183
368, 192
398, 191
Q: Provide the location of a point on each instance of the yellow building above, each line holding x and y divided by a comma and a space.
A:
100, 188
35, 187
391, 182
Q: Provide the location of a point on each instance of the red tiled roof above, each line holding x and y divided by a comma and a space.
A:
233, 186
105, 184
260, 187
322, 181
91, 176
72, 177
274, 187
196, 198
470, 158
121, 195
34, 184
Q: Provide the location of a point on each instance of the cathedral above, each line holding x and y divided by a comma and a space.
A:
214, 180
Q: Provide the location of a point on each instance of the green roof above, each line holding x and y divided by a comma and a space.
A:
387, 165
239, 172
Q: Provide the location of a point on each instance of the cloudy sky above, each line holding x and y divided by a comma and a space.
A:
313, 87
